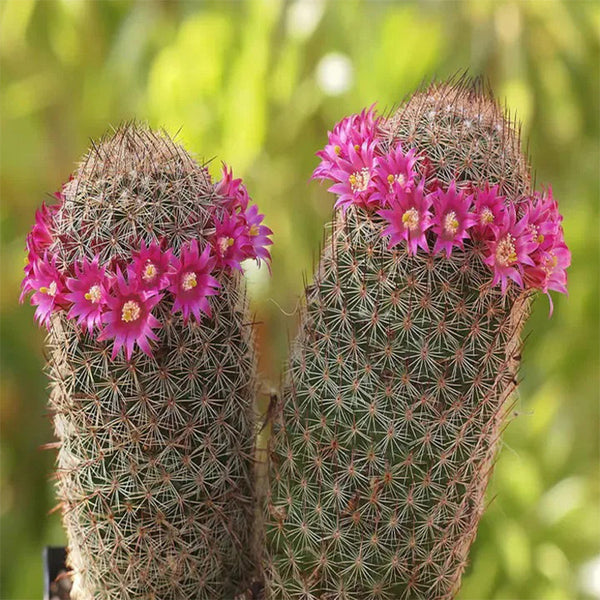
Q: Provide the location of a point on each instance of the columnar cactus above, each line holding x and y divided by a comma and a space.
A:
400, 379
135, 272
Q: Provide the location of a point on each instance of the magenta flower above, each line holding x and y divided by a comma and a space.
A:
192, 283
229, 241
408, 218
452, 218
549, 271
150, 266
48, 286
509, 249
354, 176
233, 189
395, 173
544, 219
256, 234
551, 256
128, 318
349, 132
489, 210
89, 293
40, 237
36, 243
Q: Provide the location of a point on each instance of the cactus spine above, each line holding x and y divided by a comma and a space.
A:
155, 466
400, 378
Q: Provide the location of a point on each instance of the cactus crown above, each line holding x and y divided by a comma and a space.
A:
398, 381
140, 223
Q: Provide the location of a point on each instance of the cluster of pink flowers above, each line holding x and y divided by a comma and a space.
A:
524, 244
116, 299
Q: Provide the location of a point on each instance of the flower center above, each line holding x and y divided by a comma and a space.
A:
398, 177
337, 149
189, 282
410, 219
550, 263
359, 180
149, 271
131, 311
94, 294
224, 244
50, 290
506, 254
487, 216
451, 223
535, 234
253, 230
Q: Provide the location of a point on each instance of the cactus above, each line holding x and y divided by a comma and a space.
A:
135, 272
400, 379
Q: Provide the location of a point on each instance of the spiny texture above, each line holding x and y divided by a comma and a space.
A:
399, 380
155, 466
465, 136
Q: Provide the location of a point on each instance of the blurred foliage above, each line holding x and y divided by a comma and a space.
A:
259, 83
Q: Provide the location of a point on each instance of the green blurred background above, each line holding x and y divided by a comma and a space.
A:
259, 83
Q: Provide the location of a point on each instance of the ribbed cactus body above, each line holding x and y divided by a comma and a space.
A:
155, 467
398, 385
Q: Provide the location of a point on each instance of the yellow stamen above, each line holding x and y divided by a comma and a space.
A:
451, 223
224, 244
410, 219
94, 294
190, 281
487, 216
149, 271
535, 234
337, 149
131, 311
399, 178
253, 230
551, 263
506, 253
359, 180
50, 290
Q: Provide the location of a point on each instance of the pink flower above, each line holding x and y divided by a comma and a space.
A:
37, 241
489, 209
544, 219
150, 266
128, 319
40, 237
48, 286
451, 218
354, 176
349, 132
408, 218
192, 283
229, 241
395, 173
89, 293
509, 249
233, 189
256, 235
549, 271
551, 256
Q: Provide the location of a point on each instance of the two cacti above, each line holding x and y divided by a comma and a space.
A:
397, 384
